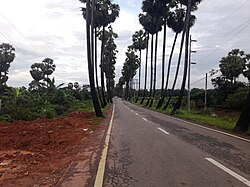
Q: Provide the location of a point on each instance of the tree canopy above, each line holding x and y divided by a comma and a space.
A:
7, 56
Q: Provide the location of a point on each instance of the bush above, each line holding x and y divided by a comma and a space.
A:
235, 101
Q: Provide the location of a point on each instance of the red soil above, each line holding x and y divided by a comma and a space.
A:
37, 153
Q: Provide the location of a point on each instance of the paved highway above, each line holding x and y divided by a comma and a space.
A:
149, 149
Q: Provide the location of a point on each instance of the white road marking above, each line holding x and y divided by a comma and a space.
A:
144, 119
221, 132
137, 114
163, 131
131, 110
101, 168
230, 172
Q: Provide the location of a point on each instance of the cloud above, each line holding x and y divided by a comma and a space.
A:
56, 29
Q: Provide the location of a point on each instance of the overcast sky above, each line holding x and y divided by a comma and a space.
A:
55, 29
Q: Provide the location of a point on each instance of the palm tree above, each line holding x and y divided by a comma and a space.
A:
146, 70
140, 40
96, 104
176, 23
151, 20
109, 60
109, 12
192, 5
191, 23
95, 25
129, 68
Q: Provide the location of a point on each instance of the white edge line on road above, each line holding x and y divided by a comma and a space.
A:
102, 163
230, 172
163, 131
221, 132
144, 119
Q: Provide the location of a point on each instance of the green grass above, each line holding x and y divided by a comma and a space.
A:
224, 123
197, 116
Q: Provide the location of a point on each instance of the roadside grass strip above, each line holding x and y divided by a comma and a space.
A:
230, 172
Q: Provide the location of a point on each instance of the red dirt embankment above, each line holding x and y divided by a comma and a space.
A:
37, 153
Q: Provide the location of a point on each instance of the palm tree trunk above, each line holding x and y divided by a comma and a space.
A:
161, 101
163, 61
155, 61
187, 23
151, 75
145, 80
177, 70
102, 72
126, 91
96, 73
138, 96
96, 105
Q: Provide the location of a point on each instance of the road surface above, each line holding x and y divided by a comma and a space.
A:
149, 149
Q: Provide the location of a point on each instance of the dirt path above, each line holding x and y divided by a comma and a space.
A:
47, 152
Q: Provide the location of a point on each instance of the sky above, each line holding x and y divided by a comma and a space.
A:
56, 29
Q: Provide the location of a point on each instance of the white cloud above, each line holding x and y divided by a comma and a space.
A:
56, 29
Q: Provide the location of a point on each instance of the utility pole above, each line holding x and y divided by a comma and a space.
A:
189, 71
205, 102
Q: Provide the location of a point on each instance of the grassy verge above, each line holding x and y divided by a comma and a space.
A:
225, 123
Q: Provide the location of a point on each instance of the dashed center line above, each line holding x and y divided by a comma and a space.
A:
144, 119
137, 114
230, 172
163, 131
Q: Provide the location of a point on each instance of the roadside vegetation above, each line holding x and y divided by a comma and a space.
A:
42, 99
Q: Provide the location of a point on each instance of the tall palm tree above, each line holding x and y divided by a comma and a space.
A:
191, 5
129, 68
176, 23
96, 24
191, 23
109, 12
109, 60
140, 40
145, 74
154, 71
96, 104
151, 20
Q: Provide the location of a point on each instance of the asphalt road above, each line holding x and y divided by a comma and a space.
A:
148, 149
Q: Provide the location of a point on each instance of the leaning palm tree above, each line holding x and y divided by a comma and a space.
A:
191, 5
96, 104
140, 40
176, 23
191, 23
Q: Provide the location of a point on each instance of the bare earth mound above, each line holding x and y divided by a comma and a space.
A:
37, 153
